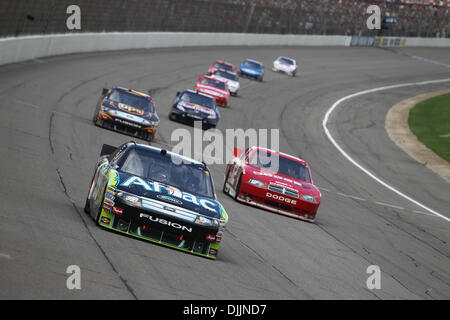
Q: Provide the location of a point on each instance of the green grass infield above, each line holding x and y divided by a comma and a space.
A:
429, 120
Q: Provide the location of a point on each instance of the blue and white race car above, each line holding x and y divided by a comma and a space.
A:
252, 69
285, 65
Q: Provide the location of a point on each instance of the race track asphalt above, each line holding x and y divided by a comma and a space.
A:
49, 147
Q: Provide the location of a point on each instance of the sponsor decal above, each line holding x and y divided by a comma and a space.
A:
169, 209
131, 124
169, 199
171, 193
108, 204
117, 210
165, 222
280, 198
213, 252
131, 109
196, 107
109, 196
105, 220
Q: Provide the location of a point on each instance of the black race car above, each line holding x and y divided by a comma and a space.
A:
127, 111
158, 196
190, 106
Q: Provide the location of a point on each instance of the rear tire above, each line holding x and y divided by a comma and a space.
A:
238, 187
225, 183
87, 207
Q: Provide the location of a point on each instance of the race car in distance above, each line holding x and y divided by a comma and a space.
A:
215, 88
190, 106
158, 196
286, 65
231, 79
274, 181
252, 69
219, 64
127, 111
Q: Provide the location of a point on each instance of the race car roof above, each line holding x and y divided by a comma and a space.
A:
284, 155
215, 79
160, 150
138, 93
287, 58
200, 94
251, 60
223, 62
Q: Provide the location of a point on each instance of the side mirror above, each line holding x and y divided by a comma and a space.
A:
178, 93
104, 91
199, 79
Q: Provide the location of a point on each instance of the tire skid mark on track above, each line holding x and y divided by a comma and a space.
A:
263, 260
66, 192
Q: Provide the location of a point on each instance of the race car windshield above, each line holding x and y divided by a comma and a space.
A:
252, 64
199, 99
190, 177
226, 75
223, 66
214, 83
286, 60
285, 166
130, 99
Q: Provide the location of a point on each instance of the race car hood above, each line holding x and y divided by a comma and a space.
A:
151, 189
125, 111
251, 70
271, 177
205, 111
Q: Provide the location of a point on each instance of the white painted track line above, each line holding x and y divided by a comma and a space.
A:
333, 141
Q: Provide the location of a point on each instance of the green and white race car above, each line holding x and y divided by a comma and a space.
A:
158, 196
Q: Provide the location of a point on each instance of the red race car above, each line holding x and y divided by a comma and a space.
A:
274, 181
219, 64
215, 88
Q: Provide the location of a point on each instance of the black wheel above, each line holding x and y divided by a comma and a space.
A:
225, 182
99, 210
87, 207
238, 187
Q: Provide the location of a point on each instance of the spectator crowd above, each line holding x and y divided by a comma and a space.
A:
323, 17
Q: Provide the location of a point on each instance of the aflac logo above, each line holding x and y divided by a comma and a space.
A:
174, 192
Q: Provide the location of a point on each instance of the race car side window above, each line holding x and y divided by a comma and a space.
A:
116, 155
